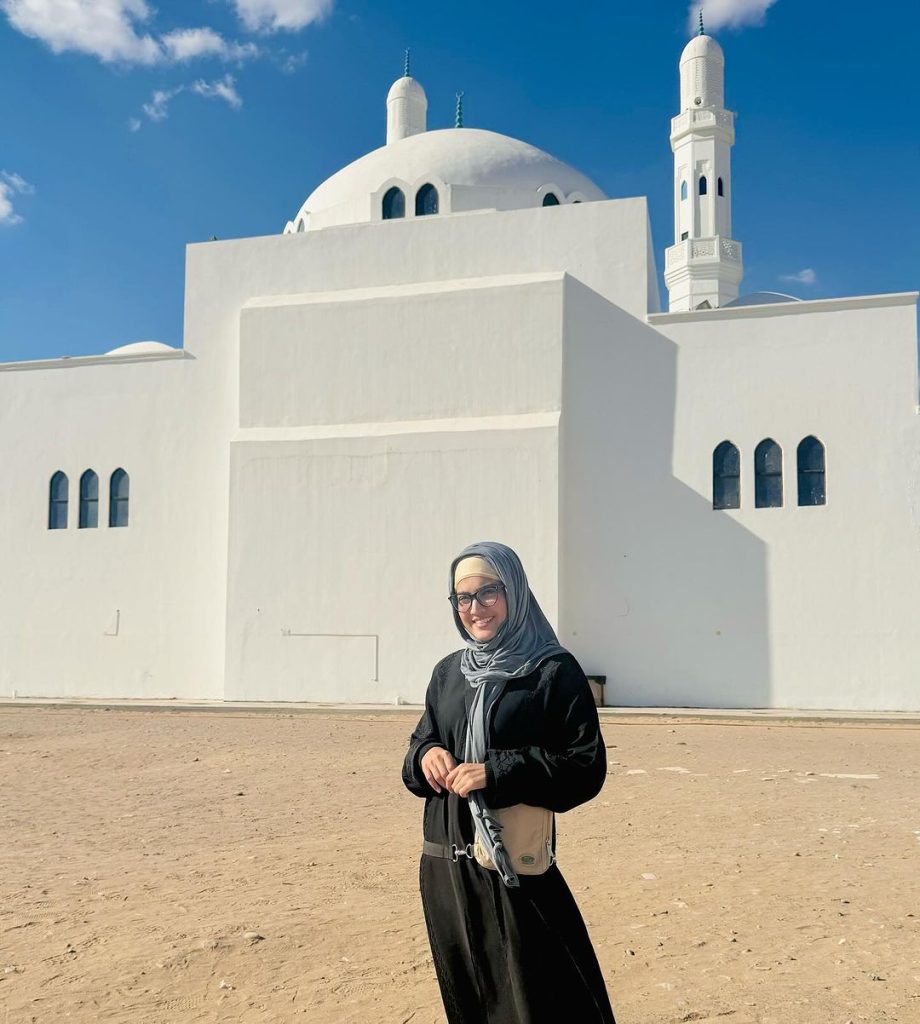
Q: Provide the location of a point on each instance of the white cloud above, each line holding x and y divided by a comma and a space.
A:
11, 185
276, 15
188, 43
291, 62
221, 89
728, 13
17, 183
806, 276
107, 29
110, 30
157, 109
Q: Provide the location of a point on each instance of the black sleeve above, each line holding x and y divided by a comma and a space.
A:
569, 771
421, 741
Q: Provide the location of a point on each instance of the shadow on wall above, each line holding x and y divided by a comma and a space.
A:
658, 591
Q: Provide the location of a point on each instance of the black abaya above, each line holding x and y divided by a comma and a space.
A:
510, 955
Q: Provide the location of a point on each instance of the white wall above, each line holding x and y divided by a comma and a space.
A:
843, 579
474, 347
383, 430
126, 611
681, 604
340, 551
640, 580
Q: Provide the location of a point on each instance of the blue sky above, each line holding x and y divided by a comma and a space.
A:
130, 130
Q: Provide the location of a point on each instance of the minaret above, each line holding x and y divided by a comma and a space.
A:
407, 107
703, 268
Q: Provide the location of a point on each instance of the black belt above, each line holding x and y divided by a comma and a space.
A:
447, 851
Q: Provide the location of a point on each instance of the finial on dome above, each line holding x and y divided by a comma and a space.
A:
406, 65
702, 31
458, 121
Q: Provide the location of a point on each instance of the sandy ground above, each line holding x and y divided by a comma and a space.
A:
162, 867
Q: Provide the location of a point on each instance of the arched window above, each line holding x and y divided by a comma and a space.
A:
720, 188
551, 199
300, 225
683, 190
89, 500
118, 498
810, 459
768, 474
726, 476
426, 201
394, 204
704, 187
57, 501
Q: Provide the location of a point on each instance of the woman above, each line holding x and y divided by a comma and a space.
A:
509, 719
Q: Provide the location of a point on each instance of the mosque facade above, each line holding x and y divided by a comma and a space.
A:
459, 337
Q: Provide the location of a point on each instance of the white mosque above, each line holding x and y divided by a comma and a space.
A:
458, 337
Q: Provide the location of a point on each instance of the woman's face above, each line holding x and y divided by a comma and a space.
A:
482, 623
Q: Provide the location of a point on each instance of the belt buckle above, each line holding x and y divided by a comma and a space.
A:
456, 852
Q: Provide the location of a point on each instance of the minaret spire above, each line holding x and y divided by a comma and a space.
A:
701, 32
406, 65
703, 268
458, 120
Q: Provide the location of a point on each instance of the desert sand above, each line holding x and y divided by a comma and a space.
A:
175, 866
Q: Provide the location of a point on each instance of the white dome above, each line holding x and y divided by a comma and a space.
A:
406, 88
139, 348
702, 46
481, 169
702, 74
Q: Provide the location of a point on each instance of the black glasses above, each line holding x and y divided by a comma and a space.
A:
486, 596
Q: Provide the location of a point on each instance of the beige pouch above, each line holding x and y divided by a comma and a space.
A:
527, 834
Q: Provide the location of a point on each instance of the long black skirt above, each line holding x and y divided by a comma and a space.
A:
510, 956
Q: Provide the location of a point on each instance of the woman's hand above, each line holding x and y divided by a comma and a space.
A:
436, 764
465, 778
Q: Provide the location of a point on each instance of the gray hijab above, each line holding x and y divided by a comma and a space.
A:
522, 643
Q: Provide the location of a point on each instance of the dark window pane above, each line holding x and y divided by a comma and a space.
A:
768, 474
59, 487
550, 199
683, 190
811, 455
726, 460
57, 501
57, 515
726, 473
118, 512
726, 492
426, 201
118, 499
721, 192
89, 513
811, 488
768, 491
89, 500
703, 186
89, 485
394, 204
768, 457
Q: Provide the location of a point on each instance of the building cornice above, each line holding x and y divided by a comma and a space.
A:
771, 309
64, 362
